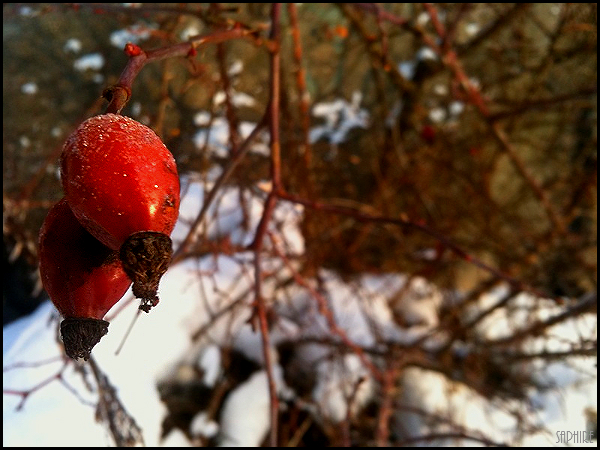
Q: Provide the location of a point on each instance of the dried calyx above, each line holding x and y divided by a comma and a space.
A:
80, 335
146, 256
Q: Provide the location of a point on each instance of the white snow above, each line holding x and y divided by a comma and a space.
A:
202, 426
72, 45
193, 29
134, 34
407, 69
235, 68
92, 61
456, 108
237, 98
209, 363
29, 88
472, 28
215, 293
24, 141
245, 416
27, 11
341, 383
437, 115
216, 138
340, 117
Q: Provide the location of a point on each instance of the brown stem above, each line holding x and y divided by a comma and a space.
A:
274, 103
302, 97
420, 225
326, 312
230, 113
190, 238
273, 111
387, 404
116, 95
587, 304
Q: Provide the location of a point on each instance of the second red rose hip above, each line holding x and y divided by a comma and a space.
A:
83, 277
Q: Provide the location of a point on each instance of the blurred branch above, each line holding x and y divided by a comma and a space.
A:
508, 148
230, 112
58, 376
591, 350
379, 58
194, 232
451, 435
119, 94
326, 312
542, 104
418, 225
303, 96
493, 27
587, 304
257, 244
386, 410
122, 426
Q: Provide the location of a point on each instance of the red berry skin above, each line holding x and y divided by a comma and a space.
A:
428, 134
119, 178
83, 277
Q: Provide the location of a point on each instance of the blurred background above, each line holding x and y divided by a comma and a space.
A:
471, 129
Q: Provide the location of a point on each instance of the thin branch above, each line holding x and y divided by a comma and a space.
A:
387, 404
451, 60
588, 303
450, 435
182, 250
420, 225
230, 113
58, 376
273, 118
118, 95
122, 426
326, 312
303, 104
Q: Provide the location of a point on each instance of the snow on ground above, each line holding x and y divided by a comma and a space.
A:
160, 340
194, 291
340, 117
214, 293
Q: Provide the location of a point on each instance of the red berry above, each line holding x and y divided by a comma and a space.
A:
119, 178
428, 134
83, 278
121, 183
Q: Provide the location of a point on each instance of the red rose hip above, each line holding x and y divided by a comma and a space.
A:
121, 183
83, 278
119, 178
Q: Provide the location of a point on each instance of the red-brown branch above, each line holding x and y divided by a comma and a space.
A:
118, 95
273, 119
419, 225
